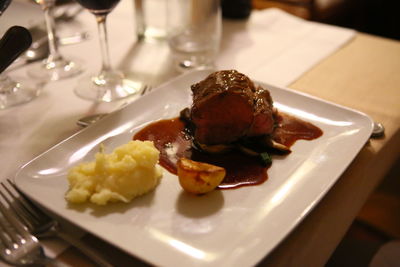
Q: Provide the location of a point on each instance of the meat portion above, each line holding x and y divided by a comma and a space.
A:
263, 122
227, 106
222, 109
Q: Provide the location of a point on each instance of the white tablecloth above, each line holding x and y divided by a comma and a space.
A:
272, 46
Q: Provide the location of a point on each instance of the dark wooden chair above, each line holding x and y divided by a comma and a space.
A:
328, 11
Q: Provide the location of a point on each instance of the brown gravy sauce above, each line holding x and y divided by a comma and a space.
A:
174, 141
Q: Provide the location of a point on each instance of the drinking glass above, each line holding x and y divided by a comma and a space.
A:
14, 92
109, 85
194, 33
151, 20
55, 67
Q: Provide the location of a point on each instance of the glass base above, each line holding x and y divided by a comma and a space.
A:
188, 65
55, 70
14, 93
107, 87
152, 35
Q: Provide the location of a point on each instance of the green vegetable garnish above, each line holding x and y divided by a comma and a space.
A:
265, 158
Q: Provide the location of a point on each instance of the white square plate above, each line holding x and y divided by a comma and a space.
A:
226, 227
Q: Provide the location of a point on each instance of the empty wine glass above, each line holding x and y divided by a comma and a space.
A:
13, 43
109, 84
55, 67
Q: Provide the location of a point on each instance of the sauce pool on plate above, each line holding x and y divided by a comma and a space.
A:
174, 140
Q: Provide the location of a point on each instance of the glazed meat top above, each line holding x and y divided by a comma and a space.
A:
228, 106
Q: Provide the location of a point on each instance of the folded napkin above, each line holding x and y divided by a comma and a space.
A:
276, 47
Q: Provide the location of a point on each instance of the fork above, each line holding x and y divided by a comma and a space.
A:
40, 224
88, 120
17, 245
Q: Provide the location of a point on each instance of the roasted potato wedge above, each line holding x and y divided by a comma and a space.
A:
198, 177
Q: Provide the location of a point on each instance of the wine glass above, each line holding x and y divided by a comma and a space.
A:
55, 67
14, 42
110, 84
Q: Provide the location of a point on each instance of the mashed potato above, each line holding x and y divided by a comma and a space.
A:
129, 171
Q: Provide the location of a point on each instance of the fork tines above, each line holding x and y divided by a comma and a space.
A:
8, 222
20, 205
17, 245
12, 231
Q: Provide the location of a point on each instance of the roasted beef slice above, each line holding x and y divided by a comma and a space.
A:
263, 122
227, 106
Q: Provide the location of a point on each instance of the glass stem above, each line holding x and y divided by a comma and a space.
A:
140, 24
105, 55
51, 34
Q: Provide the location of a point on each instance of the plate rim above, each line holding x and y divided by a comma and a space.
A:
292, 225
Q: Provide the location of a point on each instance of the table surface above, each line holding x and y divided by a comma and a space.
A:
362, 75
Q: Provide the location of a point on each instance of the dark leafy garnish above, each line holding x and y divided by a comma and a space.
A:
266, 158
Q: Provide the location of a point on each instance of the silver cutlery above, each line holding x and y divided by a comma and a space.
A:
378, 130
40, 224
17, 245
90, 119
40, 47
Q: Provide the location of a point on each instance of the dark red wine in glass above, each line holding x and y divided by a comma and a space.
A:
99, 6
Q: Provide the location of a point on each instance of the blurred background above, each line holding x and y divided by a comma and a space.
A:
378, 17
373, 239
378, 222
